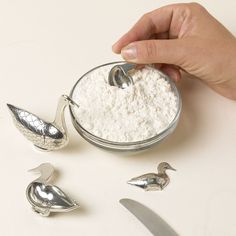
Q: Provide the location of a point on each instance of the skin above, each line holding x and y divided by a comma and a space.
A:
184, 37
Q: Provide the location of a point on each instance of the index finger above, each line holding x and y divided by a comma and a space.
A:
155, 22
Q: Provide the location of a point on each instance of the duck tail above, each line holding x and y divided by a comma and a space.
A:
135, 182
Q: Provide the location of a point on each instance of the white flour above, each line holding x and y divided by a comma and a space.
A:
124, 115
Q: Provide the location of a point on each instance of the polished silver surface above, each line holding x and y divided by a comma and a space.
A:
127, 147
119, 75
153, 222
44, 135
153, 181
45, 197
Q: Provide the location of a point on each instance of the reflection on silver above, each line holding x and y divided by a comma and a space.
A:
46, 198
119, 76
45, 136
153, 181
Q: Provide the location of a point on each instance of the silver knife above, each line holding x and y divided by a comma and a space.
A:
153, 222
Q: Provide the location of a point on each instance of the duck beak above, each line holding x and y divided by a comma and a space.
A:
36, 170
171, 168
70, 101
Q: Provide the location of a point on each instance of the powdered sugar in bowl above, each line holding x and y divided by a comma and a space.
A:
128, 119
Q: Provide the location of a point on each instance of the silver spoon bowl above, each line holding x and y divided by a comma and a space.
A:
119, 76
47, 198
46, 136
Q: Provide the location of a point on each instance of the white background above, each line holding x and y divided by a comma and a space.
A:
45, 46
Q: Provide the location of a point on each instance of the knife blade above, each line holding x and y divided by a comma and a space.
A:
153, 222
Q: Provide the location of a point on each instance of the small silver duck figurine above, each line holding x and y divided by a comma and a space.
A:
44, 135
45, 197
153, 181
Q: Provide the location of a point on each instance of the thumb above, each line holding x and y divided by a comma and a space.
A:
155, 51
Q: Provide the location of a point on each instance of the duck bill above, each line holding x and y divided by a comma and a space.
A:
171, 168
36, 170
70, 101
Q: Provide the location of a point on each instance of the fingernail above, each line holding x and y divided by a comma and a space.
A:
129, 53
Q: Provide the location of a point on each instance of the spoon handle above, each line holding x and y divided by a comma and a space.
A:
127, 67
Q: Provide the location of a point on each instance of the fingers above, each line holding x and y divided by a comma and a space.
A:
172, 71
155, 51
155, 22
157, 65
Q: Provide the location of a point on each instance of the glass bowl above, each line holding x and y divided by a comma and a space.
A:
125, 146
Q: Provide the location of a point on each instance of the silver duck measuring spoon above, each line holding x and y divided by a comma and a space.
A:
46, 136
45, 197
153, 181
119, 77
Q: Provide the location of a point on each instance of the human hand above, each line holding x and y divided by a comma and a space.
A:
184, 37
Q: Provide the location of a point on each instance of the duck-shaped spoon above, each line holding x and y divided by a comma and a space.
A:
153, 181
45, 197
44, 135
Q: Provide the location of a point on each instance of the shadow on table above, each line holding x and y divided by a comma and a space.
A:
76, 144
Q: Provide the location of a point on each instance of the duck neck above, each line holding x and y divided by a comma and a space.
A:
162, 171
60, 117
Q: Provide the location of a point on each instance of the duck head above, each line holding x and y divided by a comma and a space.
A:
45, 170
163, 166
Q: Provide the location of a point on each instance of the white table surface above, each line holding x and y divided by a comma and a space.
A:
45, 46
